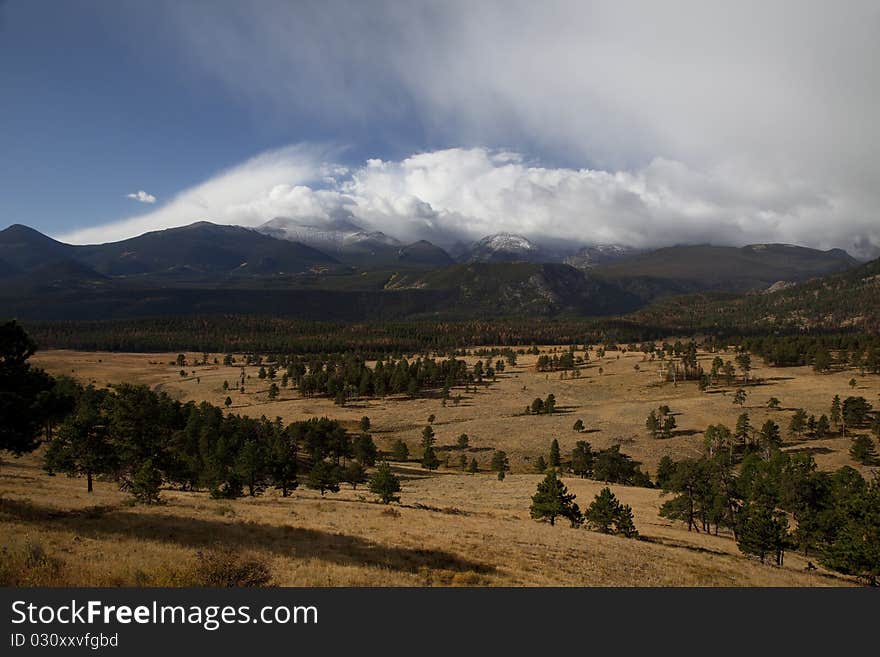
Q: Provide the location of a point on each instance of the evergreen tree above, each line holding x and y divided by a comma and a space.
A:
251, 465
354, 474
281, 459
652, 424
428, 438
364, 424
578, 426
400, 451
836, 415
462, 441
23, 391
665, 470
82, 445
430, 460
862, 450
552, 500
555, 457
607, 515
364, 450
500, 462
324, 477
474, 467
540, 465
582, 459
385, 484
762, 530
146, 483
798, 423
823, 427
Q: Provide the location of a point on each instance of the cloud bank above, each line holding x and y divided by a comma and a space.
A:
656, 122
463, 194
142, 197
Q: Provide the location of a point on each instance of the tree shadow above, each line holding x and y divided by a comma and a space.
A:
200, 533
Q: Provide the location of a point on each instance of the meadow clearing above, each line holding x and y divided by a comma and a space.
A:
451, 527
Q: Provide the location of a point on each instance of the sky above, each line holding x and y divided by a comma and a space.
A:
639, 123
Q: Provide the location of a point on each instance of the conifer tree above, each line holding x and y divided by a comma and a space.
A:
400, 451
385, 484
430, 460
555, 457
606, 514
552, 500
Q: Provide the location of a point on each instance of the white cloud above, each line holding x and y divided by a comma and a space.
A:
142, 196
769, 104
463, 194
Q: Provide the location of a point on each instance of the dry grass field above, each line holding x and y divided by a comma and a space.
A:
450, 528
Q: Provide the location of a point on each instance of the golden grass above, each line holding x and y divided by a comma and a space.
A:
451, 528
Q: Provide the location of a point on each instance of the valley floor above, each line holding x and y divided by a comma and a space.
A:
450, 528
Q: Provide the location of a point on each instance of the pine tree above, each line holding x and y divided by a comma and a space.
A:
474, 467
607, 515
400, 451
836, 415
652, 424
354, 474
552, 500
282, 465
555, 457
822, 426
578, 426
582, 459
23, 391
500, 462
540, 465
665, 470
385, 484
798, 423
82, 444
863, 451
364, 450
364, 424
430, 460
428, 438
324, 477
146, 483
762, 531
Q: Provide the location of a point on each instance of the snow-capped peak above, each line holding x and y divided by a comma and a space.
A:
507, 242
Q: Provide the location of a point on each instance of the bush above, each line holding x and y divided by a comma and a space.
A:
223, 567
29, 565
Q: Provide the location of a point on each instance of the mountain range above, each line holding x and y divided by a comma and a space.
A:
339, 270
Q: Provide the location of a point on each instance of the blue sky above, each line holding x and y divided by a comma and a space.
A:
93, 108
591, 121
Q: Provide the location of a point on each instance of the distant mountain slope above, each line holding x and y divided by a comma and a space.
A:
351, 244
519, 288
847, 300
698, 268
590, 257
504, 247
24, 248
201, 247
